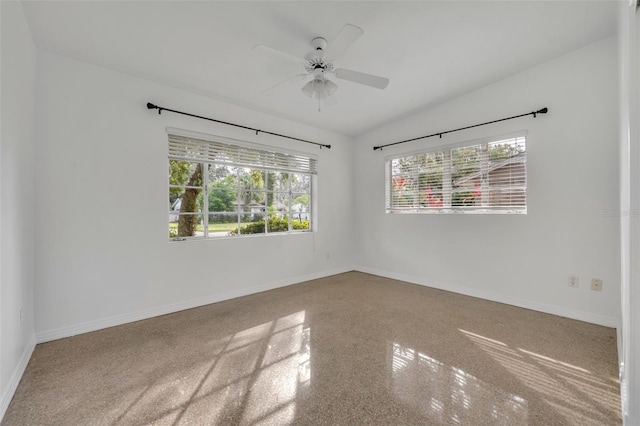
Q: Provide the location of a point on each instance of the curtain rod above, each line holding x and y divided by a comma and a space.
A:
160, 109
534, 113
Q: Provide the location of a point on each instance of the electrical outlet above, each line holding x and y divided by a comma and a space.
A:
596, 284
573, 281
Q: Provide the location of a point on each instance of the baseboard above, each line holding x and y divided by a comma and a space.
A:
496, 297
72, 330
16, 376
86, 327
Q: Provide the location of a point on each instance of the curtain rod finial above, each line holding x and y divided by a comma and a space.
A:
151, 106
540, 111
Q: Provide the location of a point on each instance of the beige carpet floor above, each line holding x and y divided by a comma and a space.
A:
348, 349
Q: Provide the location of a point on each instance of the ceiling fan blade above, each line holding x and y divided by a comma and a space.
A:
270, 51
296, 78
345, 38
362, 78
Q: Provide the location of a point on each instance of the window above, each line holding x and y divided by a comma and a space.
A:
476, 177
221, 187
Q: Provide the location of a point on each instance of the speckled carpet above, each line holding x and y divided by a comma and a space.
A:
348, 349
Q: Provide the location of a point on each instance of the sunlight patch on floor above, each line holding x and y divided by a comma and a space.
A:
556, 382
446, 394
258, 372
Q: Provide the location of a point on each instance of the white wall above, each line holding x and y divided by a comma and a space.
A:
17, 198
102, 249
629, 48
100, 223
572, 174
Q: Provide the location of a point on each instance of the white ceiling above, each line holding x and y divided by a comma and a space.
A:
431, 51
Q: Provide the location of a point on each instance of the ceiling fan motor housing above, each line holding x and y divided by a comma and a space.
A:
316, 59
318, 63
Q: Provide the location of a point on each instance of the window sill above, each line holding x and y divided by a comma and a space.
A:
237, 237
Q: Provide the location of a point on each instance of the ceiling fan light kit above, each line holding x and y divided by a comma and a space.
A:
319, 88
319, 62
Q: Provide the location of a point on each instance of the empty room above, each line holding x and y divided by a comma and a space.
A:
313, 212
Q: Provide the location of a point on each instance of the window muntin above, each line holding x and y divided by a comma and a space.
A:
475, 177
215, 191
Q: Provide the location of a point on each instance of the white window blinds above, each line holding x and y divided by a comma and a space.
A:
218, 152
485, 177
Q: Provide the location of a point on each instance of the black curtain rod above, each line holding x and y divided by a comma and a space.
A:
534, 113
160, 109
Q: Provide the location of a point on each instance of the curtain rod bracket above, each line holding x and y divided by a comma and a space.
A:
540, 111
152, 106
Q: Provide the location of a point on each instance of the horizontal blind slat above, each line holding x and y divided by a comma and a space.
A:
191, 149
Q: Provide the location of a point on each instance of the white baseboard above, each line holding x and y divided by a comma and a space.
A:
496, 297
16, 376
72, 330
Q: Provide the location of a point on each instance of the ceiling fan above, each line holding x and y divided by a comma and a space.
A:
318, 63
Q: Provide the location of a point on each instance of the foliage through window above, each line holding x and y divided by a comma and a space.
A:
481, 177
219, 188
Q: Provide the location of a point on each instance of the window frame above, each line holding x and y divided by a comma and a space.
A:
447, 190
239, 211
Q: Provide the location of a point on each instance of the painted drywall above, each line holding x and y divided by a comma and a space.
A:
629, 346
17, 198
102, 249
572, 172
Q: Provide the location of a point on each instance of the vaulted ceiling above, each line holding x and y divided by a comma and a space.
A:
430, 50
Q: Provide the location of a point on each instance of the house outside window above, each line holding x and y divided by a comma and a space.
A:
487, 176
220, 187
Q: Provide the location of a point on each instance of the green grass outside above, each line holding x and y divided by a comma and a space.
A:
213, 227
